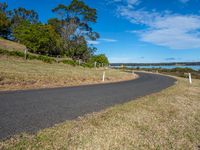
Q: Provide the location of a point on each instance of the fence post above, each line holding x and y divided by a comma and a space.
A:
95, 64
104, 73
25, 53
190, 78
57, 59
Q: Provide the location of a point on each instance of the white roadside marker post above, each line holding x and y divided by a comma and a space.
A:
103, 78
190, 78
133, 73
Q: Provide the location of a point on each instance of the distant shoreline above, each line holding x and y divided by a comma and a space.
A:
158, 64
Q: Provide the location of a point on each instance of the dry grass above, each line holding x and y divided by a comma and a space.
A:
11, 46
16, 73
166, 120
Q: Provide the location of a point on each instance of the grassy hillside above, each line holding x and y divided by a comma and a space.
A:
17, 73
11, 46
166, 120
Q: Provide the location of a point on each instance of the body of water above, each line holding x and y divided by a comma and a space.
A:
166, 67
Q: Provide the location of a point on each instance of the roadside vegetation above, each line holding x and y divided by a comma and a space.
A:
10, 48
42, 71
166, 120
17, 73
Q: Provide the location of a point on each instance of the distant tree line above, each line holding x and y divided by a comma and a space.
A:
66, 35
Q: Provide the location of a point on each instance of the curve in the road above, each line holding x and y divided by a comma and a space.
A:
32, 110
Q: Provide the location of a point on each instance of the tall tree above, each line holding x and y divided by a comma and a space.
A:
75, 20
23, 15
4, 21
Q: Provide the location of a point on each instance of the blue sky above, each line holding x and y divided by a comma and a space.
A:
138, 30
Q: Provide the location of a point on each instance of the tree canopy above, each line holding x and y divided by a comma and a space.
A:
39, 38
4, 21
100, 59
73, 25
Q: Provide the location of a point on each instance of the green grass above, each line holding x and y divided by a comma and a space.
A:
166, 120
17, 73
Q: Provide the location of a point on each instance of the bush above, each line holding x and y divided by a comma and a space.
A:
100, 59
46, 59
29, 56
88, 65
43, 58
12, 53
69, 62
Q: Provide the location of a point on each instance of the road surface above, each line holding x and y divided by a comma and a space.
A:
32, 110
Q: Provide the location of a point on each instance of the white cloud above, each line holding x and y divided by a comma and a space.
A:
138, 16
93, 42
108, 40
174, 31
101, 40
129, 3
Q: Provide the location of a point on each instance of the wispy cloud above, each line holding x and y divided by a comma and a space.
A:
93, 42
108, 40
175, 31
99, 41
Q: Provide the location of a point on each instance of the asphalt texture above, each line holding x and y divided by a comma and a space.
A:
32, 110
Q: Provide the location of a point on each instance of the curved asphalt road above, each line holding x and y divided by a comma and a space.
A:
32, 110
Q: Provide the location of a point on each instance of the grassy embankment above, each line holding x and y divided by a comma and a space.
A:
18, 73
166, 120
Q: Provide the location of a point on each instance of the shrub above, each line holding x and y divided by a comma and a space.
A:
46, 59
69, 62
29, 56
12, 53
88, 65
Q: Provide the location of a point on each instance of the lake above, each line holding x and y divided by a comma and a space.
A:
167, 67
